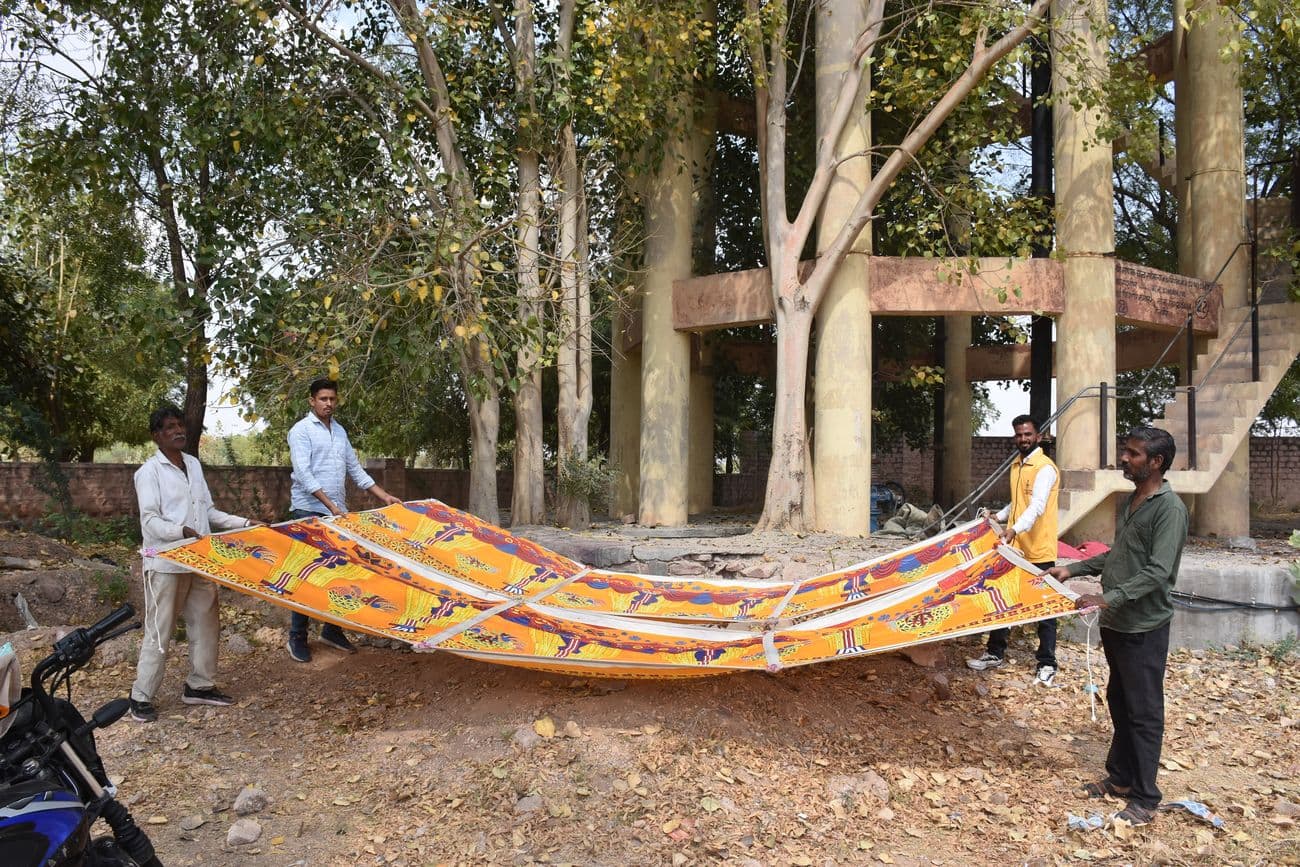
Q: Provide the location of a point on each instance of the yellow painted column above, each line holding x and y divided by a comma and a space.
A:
842, 384
1085, 239
1215, 216
624, 420
665, 352
700, 496
958, 425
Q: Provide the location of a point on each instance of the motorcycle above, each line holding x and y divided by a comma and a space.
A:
52, 781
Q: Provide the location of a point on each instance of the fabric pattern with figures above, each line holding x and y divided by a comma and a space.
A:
440, 579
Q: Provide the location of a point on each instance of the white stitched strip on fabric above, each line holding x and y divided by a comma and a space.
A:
1019, 559
775, 621
452, 631
469, 588
780, 606
592, 618
872, 605
914, 547
769, 651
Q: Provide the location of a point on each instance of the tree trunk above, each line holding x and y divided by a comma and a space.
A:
528, 503
797, 301
573, 366
788, 503
484, 422
484, 402
582, 413
191, 304
528, 500
196, 365
571, 507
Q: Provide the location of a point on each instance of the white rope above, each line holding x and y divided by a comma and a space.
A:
1090, 620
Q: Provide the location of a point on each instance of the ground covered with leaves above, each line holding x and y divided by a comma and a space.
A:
389, 757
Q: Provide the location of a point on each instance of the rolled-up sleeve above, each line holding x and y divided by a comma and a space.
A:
356, 471
300, 459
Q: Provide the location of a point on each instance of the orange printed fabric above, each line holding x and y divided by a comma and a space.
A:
431, 537
524, 616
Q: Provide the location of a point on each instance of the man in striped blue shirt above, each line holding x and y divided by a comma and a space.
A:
323, 460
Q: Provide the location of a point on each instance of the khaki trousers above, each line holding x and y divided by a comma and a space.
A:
195, 598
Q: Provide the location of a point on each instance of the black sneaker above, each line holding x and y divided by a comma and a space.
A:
334, 637
143, 711
212, 695
298, 649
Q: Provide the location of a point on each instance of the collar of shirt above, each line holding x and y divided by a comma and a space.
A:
311, 416
186, 458
1020, 459
1163, 489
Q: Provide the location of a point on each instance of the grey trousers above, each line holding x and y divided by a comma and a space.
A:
195, 598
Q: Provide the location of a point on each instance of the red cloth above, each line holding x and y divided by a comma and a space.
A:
1083, 552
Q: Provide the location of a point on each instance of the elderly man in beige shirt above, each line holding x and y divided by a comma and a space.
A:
175, 504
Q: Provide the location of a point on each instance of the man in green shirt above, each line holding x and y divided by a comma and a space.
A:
1137, 580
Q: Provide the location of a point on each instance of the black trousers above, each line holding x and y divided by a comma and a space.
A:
1046, 654
1136, 698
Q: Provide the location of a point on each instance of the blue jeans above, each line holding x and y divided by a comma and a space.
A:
297, 620
1046, 654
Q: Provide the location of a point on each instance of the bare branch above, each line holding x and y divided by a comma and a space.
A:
847, 103
981, 62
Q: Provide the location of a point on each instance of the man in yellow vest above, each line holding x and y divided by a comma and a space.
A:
1031, 527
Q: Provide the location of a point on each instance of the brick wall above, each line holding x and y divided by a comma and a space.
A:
1274, 473
105, 490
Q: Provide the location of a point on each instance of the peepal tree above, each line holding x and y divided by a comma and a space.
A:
797, 294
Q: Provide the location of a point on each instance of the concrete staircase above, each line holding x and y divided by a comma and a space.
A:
1226, 407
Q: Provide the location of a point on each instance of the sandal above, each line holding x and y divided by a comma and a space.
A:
1103, 789
1135, 814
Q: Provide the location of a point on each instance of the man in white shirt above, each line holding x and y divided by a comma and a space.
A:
323, 459
175, 504
1031, 527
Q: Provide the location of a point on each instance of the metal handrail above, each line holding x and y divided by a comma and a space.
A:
1253, 321
967, 501
1105, 390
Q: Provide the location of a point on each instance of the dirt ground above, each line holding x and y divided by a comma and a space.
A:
389, 757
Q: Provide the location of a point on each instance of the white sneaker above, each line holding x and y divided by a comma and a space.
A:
985, 662
1046, 675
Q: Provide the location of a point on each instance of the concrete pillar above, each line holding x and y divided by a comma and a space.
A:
624, 420
958, 426
842, 386
1085, 239
700, 485
704, 259
665, 352
1215, 201
1182, 145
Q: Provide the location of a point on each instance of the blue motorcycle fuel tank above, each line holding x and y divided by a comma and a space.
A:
41, 825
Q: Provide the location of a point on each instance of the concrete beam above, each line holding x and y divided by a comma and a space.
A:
914, 286
1134, 350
